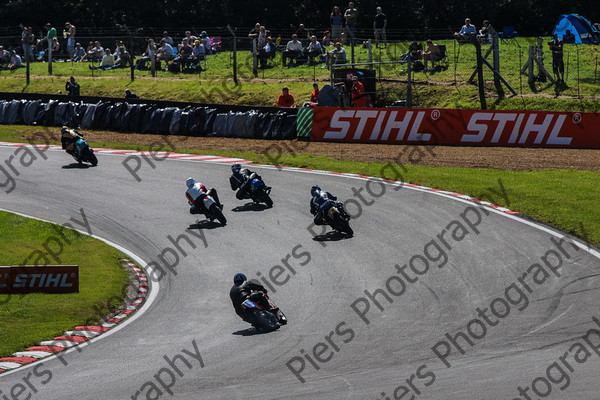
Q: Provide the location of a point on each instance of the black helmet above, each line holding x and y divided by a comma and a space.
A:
236, 167
239, 279
315, 190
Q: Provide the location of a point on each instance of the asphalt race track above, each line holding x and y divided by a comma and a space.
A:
480, 303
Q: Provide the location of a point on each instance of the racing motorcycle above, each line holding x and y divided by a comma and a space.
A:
212, 210
263, 312
258, 191
337, 219
74, 144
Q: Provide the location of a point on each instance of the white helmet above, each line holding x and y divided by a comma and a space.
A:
189, 182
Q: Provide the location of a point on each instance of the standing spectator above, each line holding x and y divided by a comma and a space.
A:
261, 39
337, 20
108, 60
50, 37
302, 34
72, 87
168, 39
467, 32
293, 49
130, 95
15, 61
359, 98
568, 37
558, 65
315, 50
70, 36
78, 52
253, 35
285, 98
27, 41
351, 16
379, 25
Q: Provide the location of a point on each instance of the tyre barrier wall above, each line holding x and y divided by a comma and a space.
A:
152, 118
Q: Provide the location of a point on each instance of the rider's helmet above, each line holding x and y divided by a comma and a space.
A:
315, 190
239, 279
236, 167
189, 182
64, 130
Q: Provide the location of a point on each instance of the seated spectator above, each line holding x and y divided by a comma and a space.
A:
285, 98
15, 61
432, 53
292, 51
486, 33
147, 56
96, 53
184, 57
130, 95
4, 56
336, 56
119, 46
122, 61
267, 51
198, 51
107, 61
190, 38
326, 38
78, 52
415, 51
314, 49
168, 39
467, 32
165, 51
568, 37
206, 42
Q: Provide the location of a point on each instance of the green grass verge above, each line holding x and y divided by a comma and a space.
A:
446, 88
27, 319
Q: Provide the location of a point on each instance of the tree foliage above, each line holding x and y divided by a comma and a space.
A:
531, 17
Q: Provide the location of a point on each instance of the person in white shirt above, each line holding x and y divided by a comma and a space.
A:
315, 49
292, 50
107, 61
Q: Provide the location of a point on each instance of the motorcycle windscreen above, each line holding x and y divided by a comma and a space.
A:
80, 146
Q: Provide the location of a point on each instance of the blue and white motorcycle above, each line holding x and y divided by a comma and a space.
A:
74, 144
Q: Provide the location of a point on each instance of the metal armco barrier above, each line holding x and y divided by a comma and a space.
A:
18, 279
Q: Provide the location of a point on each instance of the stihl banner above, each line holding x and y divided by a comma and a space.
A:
457, 127
47, 279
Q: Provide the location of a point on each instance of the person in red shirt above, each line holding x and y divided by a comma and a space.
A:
359, 99
285, 98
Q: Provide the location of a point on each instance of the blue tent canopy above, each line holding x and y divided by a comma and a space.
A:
583, 30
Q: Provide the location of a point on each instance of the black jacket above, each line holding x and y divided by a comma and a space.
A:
240, 293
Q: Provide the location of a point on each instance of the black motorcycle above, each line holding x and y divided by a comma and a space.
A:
74, 144
263, 313
258, 191
337, 219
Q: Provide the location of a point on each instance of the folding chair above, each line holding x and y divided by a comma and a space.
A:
508, 33
442, 59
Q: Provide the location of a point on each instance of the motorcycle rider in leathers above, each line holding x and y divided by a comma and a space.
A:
320, 199
240, 179
241, 290
195, 194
